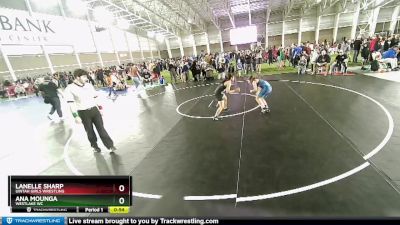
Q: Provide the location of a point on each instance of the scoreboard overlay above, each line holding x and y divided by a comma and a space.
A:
97, 194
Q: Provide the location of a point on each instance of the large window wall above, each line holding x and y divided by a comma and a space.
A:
290, 26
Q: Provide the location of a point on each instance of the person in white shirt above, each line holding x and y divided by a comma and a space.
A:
82, 99
19, 89
313, 60
259, 52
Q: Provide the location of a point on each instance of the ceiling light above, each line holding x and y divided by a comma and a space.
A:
77, 7
123, 24
150, 34
103, 16
159, 37
41, 5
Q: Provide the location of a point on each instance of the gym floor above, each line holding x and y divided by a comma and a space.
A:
329, 147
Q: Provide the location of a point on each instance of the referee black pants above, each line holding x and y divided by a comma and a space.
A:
92, 117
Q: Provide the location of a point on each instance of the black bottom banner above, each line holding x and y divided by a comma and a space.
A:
206, 221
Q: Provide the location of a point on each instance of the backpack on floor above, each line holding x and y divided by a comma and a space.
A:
374, 65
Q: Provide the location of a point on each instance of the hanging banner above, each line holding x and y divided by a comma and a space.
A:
19, 28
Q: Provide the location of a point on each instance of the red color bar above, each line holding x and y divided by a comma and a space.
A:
77, 189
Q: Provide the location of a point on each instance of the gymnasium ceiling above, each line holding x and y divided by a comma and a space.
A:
172, 18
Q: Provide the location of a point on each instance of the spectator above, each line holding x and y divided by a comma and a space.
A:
373, 46
302, 65
156, 70
377, 65
239, 66
90, 77
3, 91
248, 62
226, 61
49, 91
259, 51
357, 48
313, 60
365, 55
307, 51
254, 62
146, 75
394, 40
270, 58
196, 70
323, 61
232, 65
345, 48
134, 74
297, 51
221, 68
172, 71
185, 72
386, 44
340, 63
99, 76
111, 83
281, 58
390, 57
207, 58
19, 89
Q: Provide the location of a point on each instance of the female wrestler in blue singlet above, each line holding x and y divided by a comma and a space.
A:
262, 89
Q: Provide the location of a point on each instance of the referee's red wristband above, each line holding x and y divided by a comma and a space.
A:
100, 107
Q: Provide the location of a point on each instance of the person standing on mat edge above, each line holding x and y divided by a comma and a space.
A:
49, 91
262, 89
82, 99
134, 73
224, 87
111, 83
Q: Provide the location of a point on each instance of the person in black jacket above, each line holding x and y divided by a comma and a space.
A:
196, 70
394, 40
247, 58
340, 63
99, 76
49, 91
323, 61
270, 59
365, 55
172, 70
357, 48
386, 45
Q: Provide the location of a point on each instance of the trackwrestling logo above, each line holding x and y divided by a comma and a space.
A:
33, 220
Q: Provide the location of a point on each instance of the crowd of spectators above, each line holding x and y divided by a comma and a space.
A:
380, 53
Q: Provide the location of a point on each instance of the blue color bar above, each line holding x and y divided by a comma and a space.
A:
32, 220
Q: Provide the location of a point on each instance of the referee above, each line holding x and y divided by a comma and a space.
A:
82, 99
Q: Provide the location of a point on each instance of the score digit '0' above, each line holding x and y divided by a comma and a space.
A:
121, 200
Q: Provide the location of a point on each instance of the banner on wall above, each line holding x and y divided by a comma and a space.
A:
19, 28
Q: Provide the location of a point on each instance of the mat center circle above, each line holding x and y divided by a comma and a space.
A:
178, 109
